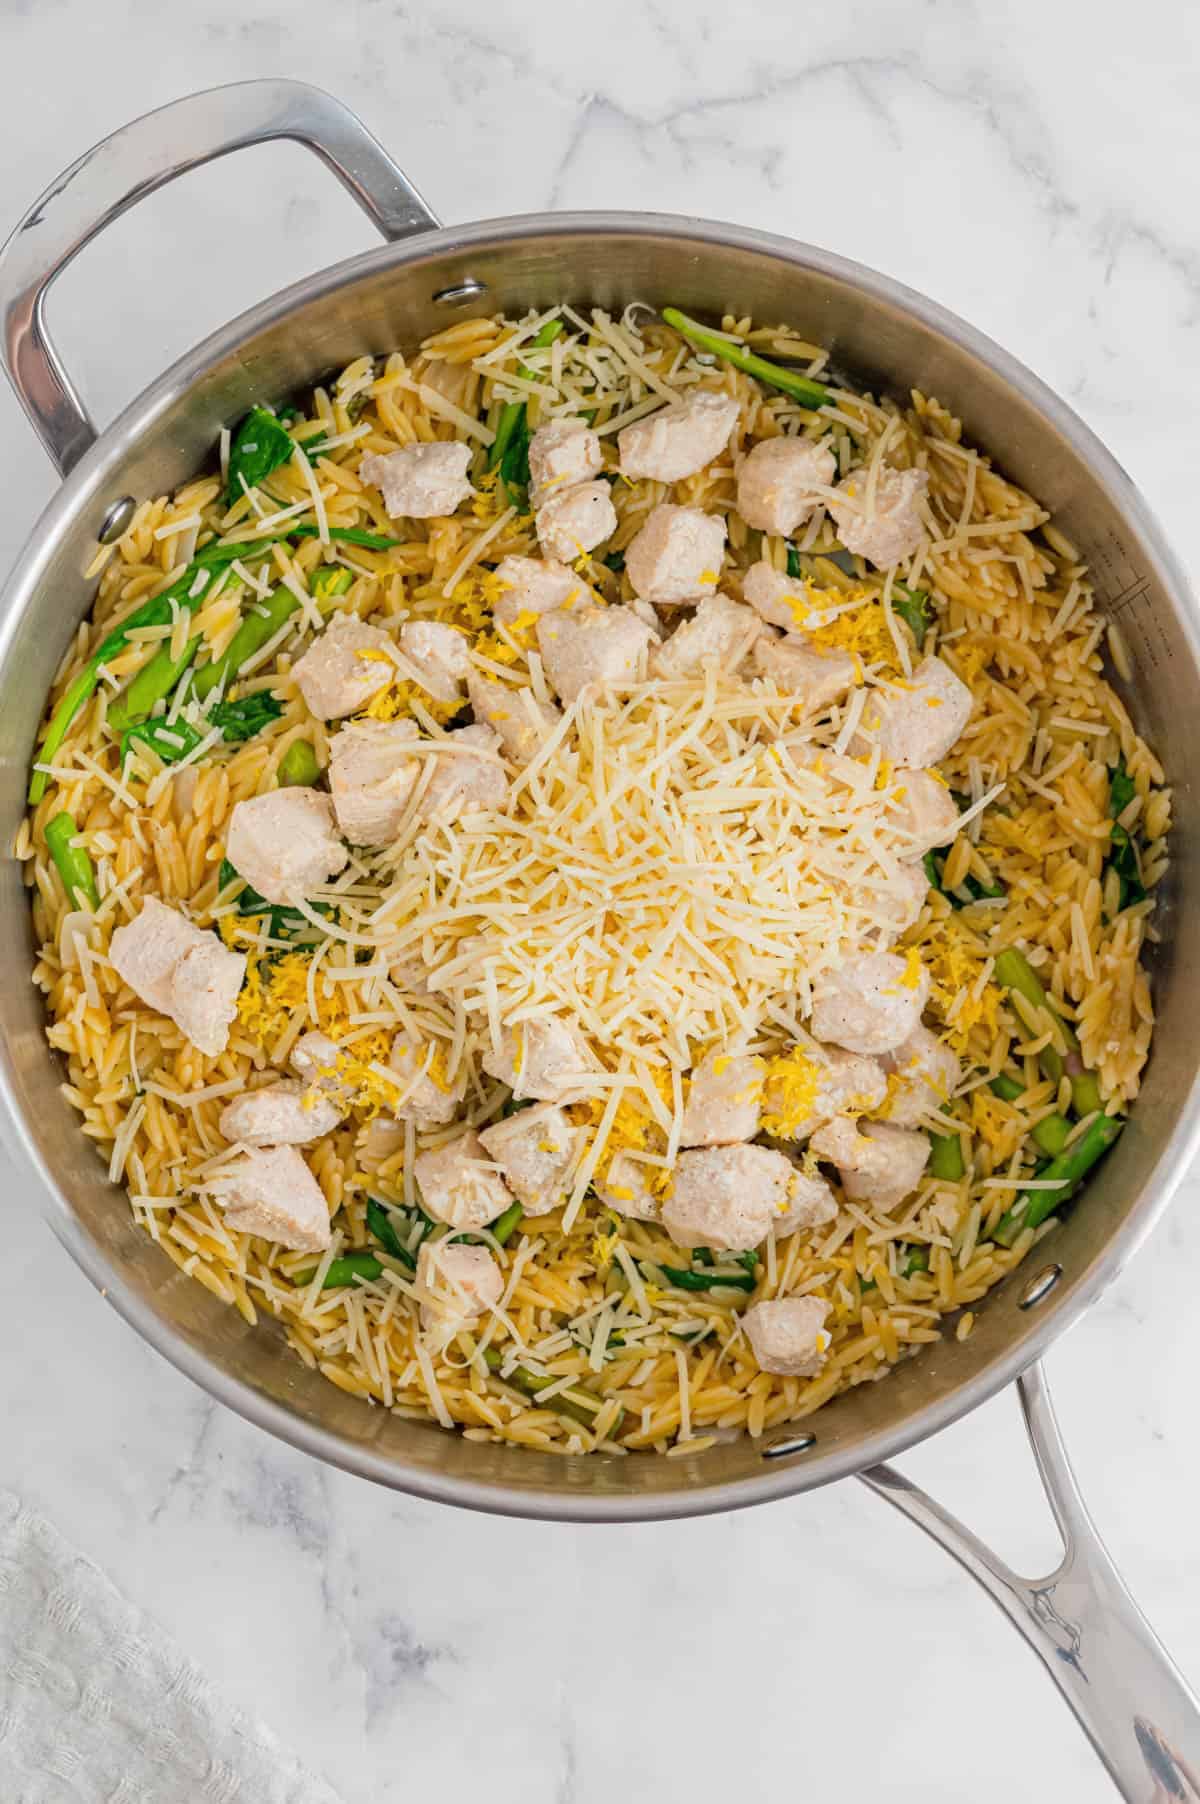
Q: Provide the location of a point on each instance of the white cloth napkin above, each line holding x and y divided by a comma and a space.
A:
97, 1705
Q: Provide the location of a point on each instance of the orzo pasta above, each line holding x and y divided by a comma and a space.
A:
596, 875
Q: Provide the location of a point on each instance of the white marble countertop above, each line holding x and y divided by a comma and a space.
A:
1013, 166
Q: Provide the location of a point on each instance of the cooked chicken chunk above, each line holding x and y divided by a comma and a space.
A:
562, 453
847, 773
677, 555
898, 898
314, 1058
457, 1283
781, 600
880, 1164
204, 991
787, 1335
720, 631
182, 971
344, 668
679, 440
420, 482
880, 519
926, 1075
916, 723
647, 612
372, 777
270, 1192
439, 655
544, 1058
813, 679
626, 1189
779, 483
811, 1204
536, 1150
519, 720
871, 1003
571, 522
458, 1185
282, 1114
814, 1085
284, 844
469, 775
923, 808
724, 1101
429, 1098
727, 1196
533, 585
587, 645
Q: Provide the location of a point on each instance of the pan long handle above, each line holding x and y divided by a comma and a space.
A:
141, 157
1132, 1702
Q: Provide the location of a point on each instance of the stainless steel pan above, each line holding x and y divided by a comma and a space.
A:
1082, 1623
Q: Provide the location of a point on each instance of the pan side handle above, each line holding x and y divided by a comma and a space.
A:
1130, 1699
135, 161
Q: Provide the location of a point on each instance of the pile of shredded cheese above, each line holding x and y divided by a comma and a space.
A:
667, 866
672, 872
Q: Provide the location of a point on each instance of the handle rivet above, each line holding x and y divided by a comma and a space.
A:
116, 520
1040, 1287
468, 290
797, 1443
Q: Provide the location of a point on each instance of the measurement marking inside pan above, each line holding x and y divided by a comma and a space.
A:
1135, 591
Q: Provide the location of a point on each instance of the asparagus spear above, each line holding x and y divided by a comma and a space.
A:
261, 623
946, 1157
1013, 971
1052, 1131
73, 862
506, 1225
344, 535
298, 767
187, 591
578, 1405
707, 1280
152, 684
347, 1270
306, 529
1069, 1168
157, 678
801, 388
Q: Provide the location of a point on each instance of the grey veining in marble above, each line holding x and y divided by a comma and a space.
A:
1031, 164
